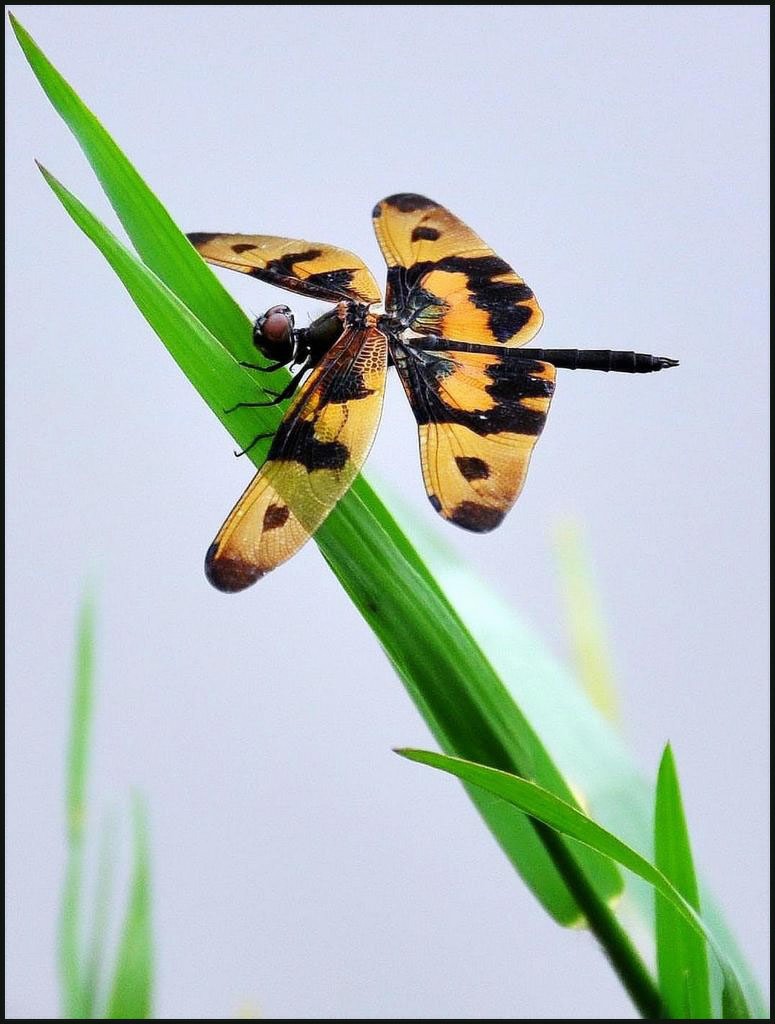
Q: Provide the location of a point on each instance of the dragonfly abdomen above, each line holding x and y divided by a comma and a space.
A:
600, 359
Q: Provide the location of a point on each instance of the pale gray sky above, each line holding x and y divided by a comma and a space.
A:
617, 157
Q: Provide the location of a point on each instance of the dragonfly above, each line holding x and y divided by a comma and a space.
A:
454, 322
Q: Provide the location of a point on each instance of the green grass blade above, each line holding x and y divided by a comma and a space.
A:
547, 808
361, 509
214, 373
682, 957
447, 675
153, 232
589, 753
69, 939
130, 997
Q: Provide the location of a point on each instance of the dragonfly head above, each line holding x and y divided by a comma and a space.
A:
274, 335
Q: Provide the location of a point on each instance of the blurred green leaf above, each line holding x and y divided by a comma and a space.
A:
585, 622
130, 998
682, 957
81, 966
94, 960
81, 714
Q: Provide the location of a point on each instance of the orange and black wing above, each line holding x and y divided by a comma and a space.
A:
310, 268
319, 447
447, 280
479, 416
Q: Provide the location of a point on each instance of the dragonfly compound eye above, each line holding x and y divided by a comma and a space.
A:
273, 334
